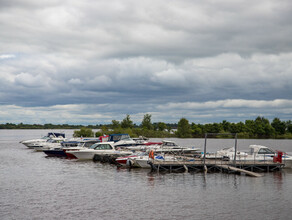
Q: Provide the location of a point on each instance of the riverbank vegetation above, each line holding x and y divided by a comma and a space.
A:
258, 128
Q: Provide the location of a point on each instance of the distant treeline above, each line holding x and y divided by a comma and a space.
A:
258, 128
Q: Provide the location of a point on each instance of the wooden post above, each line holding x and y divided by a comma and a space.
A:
205, 147
235, 149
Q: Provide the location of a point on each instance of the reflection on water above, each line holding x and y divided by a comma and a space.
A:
204, 182
35, 187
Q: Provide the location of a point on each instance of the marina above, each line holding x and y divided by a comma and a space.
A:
167, 110
165, 155
34, 186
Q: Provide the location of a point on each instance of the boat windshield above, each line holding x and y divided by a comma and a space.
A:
93, 146
88, 144
170, 144
266, 151
103, 147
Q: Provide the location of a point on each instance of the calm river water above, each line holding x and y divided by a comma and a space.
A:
35, 187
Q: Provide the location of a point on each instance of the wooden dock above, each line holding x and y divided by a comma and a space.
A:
247, 167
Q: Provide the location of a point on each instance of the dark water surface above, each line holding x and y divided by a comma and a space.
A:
35, 187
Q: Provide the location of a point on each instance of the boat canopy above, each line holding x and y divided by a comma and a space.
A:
118, 137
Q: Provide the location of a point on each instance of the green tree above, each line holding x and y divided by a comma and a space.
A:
241, 127
279, 126
115, 124
104, 129
263, 128
226, 126
146, 123
161, 126
236, 128
184, 128
98, 134
289, 126
250, 127
84, 132
212, 128
127, 123
196, 130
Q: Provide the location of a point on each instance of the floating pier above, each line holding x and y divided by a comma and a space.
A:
246, 167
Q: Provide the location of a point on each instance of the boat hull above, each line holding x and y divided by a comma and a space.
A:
81, 155
55, 153
123, 160
141, 163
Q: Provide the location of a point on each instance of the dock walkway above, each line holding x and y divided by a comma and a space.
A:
197, 165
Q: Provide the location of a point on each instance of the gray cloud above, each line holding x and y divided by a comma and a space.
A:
136, 56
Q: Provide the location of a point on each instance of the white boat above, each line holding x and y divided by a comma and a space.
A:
165, 147
172, 147
145, 147
50, 143
256, 153
98, 149
34, 142
226, 154
143, 161
66, 147
263, 153
125, 141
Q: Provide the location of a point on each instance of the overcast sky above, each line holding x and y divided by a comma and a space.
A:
92, 61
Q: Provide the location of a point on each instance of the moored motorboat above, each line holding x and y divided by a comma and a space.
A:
66, 147
97, 149
172, 147
83, 145
32, 143
263, 153
125, 141
225, 154
123, 161
165, 147
143, 161
50, 143
257, 153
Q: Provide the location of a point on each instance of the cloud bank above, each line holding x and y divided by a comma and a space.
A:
94, 61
